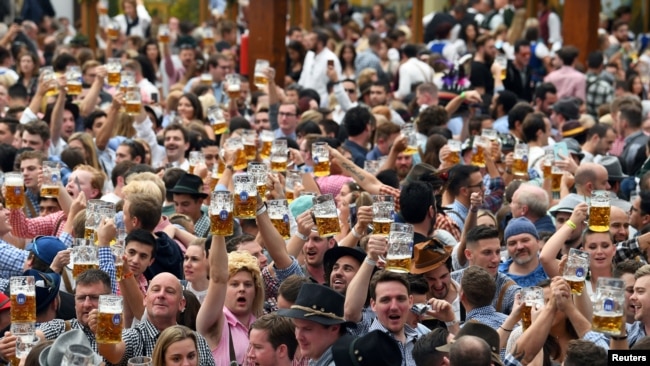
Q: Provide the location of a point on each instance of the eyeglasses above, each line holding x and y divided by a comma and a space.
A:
350, 90
633, 210
82, 298
478, 185
282, 114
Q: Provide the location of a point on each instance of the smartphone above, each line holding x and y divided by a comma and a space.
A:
330, 63
353, 214
560, 151
18, 20
154, 98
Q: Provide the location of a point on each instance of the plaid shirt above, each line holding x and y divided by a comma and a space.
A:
274, 277
599, 92
141, 340
23, 227
107, 264
501, 281
34, 199
628, 249
635, 331
202, 226
11, 260
487, 315
54, 328
445, 223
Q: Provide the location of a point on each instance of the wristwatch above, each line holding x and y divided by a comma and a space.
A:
230, 167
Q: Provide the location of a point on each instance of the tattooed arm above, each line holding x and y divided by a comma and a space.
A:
367, 181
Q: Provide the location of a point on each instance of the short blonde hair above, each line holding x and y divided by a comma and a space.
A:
139, 183
642, 272
96, 181
244, 261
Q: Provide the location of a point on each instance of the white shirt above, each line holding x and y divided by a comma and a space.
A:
314, 73
144, 20
146, 89
411, 72
554, 28
145, 131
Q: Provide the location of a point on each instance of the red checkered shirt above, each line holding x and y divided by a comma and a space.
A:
23, 227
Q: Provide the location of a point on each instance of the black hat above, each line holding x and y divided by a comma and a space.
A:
567, 107
317, 303
332, 255
373, 349
189, 184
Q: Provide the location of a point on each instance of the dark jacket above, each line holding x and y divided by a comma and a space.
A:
168, 258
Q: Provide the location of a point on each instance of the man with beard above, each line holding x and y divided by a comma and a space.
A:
379, 96
341, 264
403, 165
600, 139
482, 78
619, 224
518, 74
522, 242
176, 141
418, 208
502, 103
545, 97
314, 70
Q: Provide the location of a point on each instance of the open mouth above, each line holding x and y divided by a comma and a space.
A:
394, 317
241, 300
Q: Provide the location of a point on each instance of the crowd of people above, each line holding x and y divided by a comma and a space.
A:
492, 140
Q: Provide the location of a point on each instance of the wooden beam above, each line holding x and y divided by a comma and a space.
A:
204, 11
582, 31
89, 21
416, 19
305, 14
232, 11
295, 12
267, 31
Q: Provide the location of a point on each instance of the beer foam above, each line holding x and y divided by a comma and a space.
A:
14, 181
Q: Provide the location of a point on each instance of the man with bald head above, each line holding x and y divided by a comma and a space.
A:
532, 202
619, 224
591, 177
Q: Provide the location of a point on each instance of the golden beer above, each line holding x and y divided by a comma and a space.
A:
119, 270
599, 218
79, 268
245, 209
15, 361
478, 158
398, 263
261, 190
607, 322
103, 10
279, 166
163, 38
207, 42
519, 167
50, 191
240, 161
410, 150
191, 170
206, 80
281, 226
233, 92
114, 78
546, 171
577, 284
328, 225
556, 182
453, 158
265, 153
250, 151
89, 233
222, 224
109, 328
113, 33
260, 81
73, 88
526, 319
381, 227
52, 90
322, 168
15, 196
220, 169
219, 127
502, 76
133, 107
23, 308
289, 196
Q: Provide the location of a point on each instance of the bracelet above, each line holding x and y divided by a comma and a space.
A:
355, 234
261, 210
570, 224
370, 261
302, 237
619, 338
507, 330
451, 323
462, 95
127, 276
230, 167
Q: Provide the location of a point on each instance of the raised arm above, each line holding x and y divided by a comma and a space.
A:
272, 239
89, 103
358, 289
367, 181
548, 256
106, 130
56, 121
210, 319
476, 201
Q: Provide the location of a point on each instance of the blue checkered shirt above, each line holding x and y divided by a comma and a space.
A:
635, 331
107, 264
11, 260
487, 315
202, 226
501, 281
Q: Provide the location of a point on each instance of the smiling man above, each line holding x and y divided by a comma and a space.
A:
640, 299
522, 242
176, 141
341, 264
30, 166
272, 341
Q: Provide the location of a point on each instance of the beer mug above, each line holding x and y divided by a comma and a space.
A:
371, 166
208, 37
206, 79
279, 156
279, 215
110, 319
73, 80
599, 211
327, 220
293, 177
575, 270
250, 147
118, 253
609, 306
400, 248
520, 165
383, 208
113, 68
221, 213
245, 196
547, 165
15, 190
455, 149
83, 257
321, 157
531, 297
48, 75
214, 174
217, 120
139, 361
133, 102
408, 130
113, 30
163, 33
235, 145
491, 135
502, 61
260, 80
103, 7
556, 180
26, 338
77, 355
22, 294
127, 81
196, 158
234, 86
267, 138
478, 151
259, 172
51, 179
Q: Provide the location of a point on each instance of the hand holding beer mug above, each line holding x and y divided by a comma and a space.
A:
478, 151
163, 33
520, 164
491, 137
51, 179
22, 294
110, 319
294, 177
260, 79
233, 83
455, 148
279, 215
221, 213
383, 208
26, 338
249, 138
400, 248
196, 158
217, 120
608, 315
235, 146
245, 196
408, 130
267, 138
279, 156
73, 77
327, 220
599, 211
133, 102
502, 61
113, 30
321, 156
84, 257
575, 270
114, 67
259, 171
14, 191
531, 298
48, 80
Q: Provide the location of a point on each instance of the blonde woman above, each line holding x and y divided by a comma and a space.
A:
176, 345
196, 269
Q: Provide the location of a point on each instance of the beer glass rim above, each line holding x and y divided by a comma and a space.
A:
401, 227
110, 298
578, 253
609, 282
21, 278
377, 198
